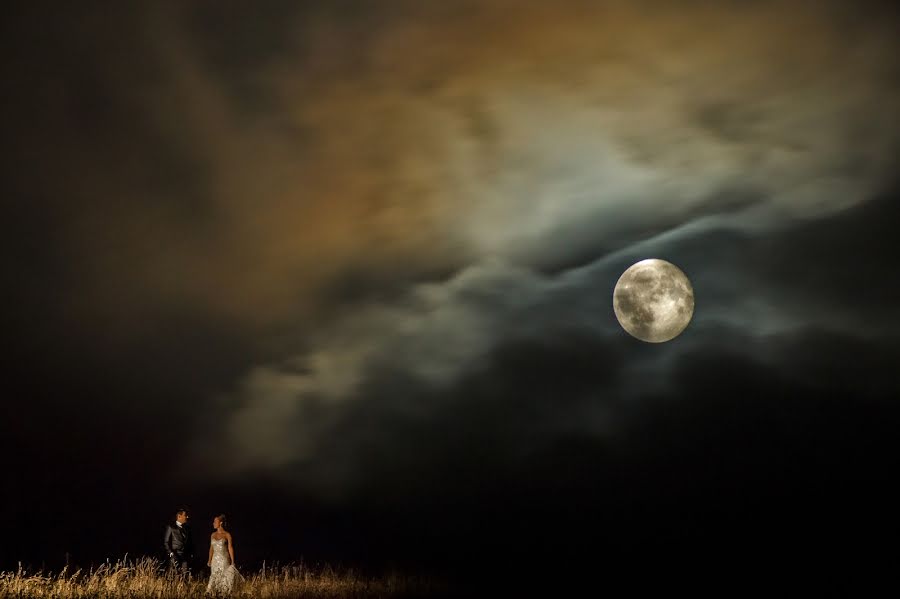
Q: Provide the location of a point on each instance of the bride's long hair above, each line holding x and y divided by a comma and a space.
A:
223, 521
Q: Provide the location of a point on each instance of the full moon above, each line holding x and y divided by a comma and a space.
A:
653, 300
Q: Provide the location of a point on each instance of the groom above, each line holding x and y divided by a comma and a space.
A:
178, 543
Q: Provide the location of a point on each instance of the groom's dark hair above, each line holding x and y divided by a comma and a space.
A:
181, 510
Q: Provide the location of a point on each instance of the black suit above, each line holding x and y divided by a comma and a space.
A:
179, 546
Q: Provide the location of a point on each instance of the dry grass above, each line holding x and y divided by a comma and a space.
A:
145, 579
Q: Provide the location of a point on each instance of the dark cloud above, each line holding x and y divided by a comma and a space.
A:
840, 265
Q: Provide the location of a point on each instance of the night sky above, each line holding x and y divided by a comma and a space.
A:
344, 271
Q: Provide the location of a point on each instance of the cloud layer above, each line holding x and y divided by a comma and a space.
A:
458, 178
366, 254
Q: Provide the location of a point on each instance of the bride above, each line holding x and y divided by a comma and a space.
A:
221, 559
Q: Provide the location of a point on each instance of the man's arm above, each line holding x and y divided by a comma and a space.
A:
167, 541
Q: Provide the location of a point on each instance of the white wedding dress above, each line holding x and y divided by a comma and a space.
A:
222, 571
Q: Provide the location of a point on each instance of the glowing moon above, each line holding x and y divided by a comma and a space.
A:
653, 300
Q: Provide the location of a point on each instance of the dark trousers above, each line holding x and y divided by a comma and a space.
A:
180, 564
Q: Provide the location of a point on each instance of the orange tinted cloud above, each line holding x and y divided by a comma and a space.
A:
421, 138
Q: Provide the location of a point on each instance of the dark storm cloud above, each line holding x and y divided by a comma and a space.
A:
559, 363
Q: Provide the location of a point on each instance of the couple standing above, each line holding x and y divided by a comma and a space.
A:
179, 547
